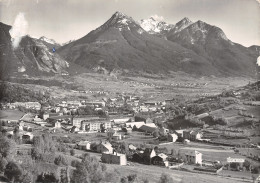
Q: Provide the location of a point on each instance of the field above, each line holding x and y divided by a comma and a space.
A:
153, 173
150, 87
11, 114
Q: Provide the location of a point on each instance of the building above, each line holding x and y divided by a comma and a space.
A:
114, 158
147, 129
148, 120
148, 155
172, 137
195, 136
136, 124
91, 123
190, 156
104, 147
132, 147
84, 145
179, 133
96, 104
160, 160
186, 134
95, 125
163, 131
76, 121
57, 124
192, 135
121, 120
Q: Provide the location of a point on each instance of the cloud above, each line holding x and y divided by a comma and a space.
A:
258, 61
19, 29
158, 18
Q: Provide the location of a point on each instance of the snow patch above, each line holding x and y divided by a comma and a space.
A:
51, 41
21, 69
140, 31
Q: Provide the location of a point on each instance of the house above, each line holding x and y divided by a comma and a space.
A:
161, 160
148, 154
179, 133
77, 120
163, 131
84, 145
148, 120
127, 129
147, 129
105, 147
91, 123
195, 135
186, 134
138, 157
57, 124
172, 137
136, 124
114, 158
132, 147
190, 156
117, 136
121, 120
45, 116
192, 135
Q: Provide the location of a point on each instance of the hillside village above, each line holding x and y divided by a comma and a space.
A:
128, 131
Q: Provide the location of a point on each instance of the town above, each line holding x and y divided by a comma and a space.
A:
128, 131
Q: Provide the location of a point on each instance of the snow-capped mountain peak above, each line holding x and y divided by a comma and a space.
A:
154, 26
50, 41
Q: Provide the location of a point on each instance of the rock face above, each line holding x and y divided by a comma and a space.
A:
122, 43
32, 56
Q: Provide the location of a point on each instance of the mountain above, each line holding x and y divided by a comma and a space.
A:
153, 26
7, 62
122, 44
211, 43
32, 56
50, 43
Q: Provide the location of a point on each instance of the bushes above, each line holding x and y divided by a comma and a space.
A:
61, 160
89, 170
72, 152
165, 178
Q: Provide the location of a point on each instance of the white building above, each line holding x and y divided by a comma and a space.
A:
190, 156
172, 137
114, 158
84, 145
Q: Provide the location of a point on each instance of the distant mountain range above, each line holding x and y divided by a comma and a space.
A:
123, 44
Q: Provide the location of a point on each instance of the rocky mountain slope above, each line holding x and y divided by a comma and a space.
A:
154, 46
121, 43
32, 56
211, 43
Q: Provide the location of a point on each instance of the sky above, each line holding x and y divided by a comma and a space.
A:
64, 20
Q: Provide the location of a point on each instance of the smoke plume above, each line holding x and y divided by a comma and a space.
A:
19, 29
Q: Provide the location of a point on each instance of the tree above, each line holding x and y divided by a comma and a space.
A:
247, 164
89, 170
131, 178
61, 160
165, 178
72, 152
13, 171
156, 134
3, 163
7, 147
